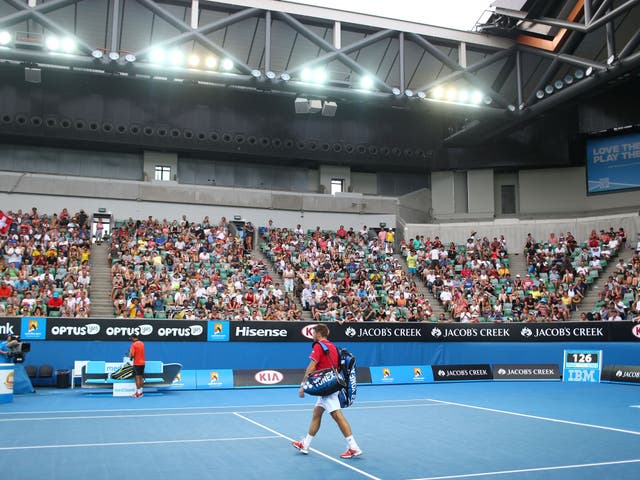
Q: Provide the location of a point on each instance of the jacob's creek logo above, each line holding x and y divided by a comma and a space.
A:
562, 332
128, 331
76, 330
636, 330
621, 375
307, 331
247, 331
469, 332
268, 377
381, 332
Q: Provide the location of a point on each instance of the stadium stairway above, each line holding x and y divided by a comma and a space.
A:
518, 264
257, 253
436, 306
591, 299
101, 304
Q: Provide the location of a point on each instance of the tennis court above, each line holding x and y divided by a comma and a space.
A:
505, 430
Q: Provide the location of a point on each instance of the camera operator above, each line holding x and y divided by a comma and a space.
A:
4, 347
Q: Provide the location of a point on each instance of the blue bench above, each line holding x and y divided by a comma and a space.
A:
95, 374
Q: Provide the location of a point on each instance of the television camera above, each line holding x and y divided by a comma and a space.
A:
17, 349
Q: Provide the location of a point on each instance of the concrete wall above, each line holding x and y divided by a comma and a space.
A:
415, 207
328, 172
500, 179
555, 191
51, 193
442, 194
480, 193
151, 159
366, 183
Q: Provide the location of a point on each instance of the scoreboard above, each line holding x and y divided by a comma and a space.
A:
582, 366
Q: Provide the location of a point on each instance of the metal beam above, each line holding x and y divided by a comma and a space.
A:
519, 77
611, 40
604, 6
564, 58
360, 44
190, 34
267, 41
115, 25
631, 45
490, 42
340, 55
403, 85
197, 34
25, 12
611, 15
587, 12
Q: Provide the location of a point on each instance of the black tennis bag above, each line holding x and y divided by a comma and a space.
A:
123, 373
324, 382
347, 393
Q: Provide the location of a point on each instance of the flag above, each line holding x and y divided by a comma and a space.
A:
5, 222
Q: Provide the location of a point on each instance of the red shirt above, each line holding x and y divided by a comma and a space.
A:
137, 352
323, 360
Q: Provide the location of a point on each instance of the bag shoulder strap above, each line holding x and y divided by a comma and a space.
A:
327, 352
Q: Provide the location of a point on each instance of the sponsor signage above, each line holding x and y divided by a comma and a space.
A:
280, 377
214, 378
621, 373
510, 371
271, 331
122, 329
461, 372
217, 331
33, 328
400, 374
582, 366
9, 326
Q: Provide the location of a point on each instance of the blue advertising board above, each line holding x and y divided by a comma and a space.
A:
613, 163
214, 378
401, 374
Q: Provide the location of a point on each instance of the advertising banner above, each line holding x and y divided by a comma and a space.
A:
401, 374
33, 328
9, 326
461, 372
214, 378
621, 373
217, 331
546, 371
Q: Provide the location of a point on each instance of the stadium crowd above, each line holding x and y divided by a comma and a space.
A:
44, 264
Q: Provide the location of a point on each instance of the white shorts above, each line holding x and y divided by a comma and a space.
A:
330, 403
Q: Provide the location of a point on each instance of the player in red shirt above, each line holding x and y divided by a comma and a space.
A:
331, 403
136, 352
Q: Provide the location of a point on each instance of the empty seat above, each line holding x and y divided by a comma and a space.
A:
31, 370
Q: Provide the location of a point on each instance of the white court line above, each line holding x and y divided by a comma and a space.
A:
195, 414
216, 407
339, 462
151, 442
526, 470
536, 417
634, 406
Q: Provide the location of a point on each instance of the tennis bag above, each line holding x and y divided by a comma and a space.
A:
123, 373
347, 393
324, 382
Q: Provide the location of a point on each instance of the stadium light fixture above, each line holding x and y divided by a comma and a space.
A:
559, 84
438, 92
568, 79
463, 96
421, 95
176, 57
452, 94
319, 75
97, 54
366, 82
548, 89
270, 75
579, 74
227, 64
193, 60
476, 97
130, 58
588, 71
211, 62
157, 55
114, 56
408, 92
396, 91
52, 43
285, 77
255, 73
487, 100
512, 108
5, 38
68, 45
540, 94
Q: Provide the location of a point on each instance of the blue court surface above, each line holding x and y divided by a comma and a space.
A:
502, 430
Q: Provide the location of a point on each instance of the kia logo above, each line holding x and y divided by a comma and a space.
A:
307, 331
636, 330
268, 377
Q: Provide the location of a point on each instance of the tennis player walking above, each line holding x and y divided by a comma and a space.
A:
331, 403
136, 352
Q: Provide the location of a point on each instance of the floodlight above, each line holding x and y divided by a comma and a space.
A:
255, 73
284, 76
97, 54
396, 91
548, 89
463, 96
306, 75
130, 57
193, 60
476, 97
319, 75
452, 94
52, 43
366, 82
5, 38
68, 45
611, 60
540, 94
558, 84
421, 95
568, 79
579, 74
176, 57
157, 55
588, 71
408, 92
512, 108
227, 64
114, 56
211, 62
438, 92
270, 75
